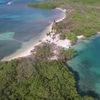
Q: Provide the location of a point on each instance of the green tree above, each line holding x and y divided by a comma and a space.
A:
43, 52
67, 54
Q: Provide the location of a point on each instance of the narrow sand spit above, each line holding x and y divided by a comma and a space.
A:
61, 43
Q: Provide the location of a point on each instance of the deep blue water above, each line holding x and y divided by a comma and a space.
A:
19, 24
87, 64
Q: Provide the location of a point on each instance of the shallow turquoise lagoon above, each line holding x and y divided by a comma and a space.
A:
87, 64
20, 24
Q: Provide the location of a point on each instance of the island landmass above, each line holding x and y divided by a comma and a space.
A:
44, 75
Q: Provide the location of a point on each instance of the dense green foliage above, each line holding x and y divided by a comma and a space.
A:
67, 54
86, 22
50, 80
84, 19
77, 2
72, 37
42, 5
69, 35
43, 52
25, 80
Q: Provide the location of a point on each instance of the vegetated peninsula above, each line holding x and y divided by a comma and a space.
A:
43, 5
41, 76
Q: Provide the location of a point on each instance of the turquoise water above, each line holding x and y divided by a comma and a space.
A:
87, 64
19, 24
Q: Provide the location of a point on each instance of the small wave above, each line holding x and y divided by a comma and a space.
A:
9, 3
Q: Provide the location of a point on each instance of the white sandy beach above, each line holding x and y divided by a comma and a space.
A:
61, 43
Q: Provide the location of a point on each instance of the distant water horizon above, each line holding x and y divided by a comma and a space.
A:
87, 64
20, 24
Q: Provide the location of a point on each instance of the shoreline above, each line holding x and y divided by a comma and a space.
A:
27, 52
77, 79
21, 53
91, 93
